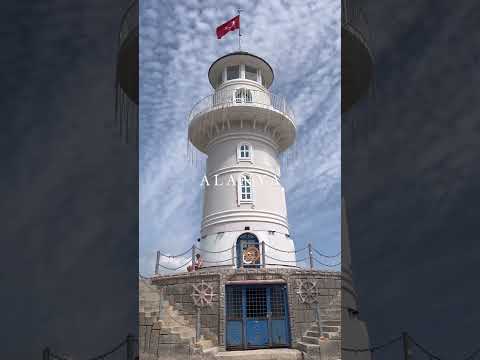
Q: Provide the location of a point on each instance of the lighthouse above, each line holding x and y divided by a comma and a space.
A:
243, 129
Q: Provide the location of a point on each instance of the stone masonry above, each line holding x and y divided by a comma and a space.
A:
309, 291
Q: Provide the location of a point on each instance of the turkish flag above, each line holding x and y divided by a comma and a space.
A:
230, 25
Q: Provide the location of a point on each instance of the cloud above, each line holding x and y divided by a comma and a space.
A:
301, 40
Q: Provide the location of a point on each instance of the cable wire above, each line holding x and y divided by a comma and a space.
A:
287, 261
214, 252
175, 269
285, 251
321, 263
109, 352
374, 348
173, 256
327, 256
429, 353
218, 261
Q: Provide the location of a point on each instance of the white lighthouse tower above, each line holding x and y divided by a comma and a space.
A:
243, 128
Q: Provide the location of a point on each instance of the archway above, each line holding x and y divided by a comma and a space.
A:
245, 241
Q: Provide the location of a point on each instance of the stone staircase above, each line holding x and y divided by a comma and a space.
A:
325, 344
164, 332
262, 354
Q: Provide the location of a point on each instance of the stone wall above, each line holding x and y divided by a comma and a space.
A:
327, 293
178, 290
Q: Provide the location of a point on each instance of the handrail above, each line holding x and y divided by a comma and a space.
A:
226, 97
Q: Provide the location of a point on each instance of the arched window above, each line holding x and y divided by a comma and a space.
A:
245, 189
244, 152
248, 251
243, 95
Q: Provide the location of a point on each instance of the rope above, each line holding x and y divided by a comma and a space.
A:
109, 352
219, 261
171, 269
423, 349
215, 252
285, 251
287, 261
173, 256
321, 263
327, 256
374, 348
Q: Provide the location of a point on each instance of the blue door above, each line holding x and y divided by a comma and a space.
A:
256, 317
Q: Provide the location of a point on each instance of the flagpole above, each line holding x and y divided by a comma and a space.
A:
239, 31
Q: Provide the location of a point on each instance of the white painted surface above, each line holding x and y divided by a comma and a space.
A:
217, 128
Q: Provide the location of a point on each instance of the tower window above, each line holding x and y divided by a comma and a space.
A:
220, 78
245, 193
243, 95
250, 73
244, 152
233, 72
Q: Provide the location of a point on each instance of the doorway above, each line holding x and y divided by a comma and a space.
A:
256, 317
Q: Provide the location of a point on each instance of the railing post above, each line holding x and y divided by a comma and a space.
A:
46, 353
157, 263
263, 253
319, 319
406, 350
310, 255
130, 352
193, 257
197, 327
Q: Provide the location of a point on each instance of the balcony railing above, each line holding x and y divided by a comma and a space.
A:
129, 21
243, 97
353, 18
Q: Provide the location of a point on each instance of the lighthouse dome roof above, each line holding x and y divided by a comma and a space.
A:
241, 58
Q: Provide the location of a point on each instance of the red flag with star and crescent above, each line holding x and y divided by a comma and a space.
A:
231, 25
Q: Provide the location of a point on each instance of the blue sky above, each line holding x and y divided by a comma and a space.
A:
301, 41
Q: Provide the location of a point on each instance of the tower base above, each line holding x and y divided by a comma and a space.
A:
208, 313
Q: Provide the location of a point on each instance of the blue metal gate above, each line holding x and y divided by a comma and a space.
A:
256, 316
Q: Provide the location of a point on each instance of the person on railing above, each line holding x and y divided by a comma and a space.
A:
197, 264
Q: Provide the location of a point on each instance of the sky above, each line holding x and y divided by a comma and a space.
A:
301, 41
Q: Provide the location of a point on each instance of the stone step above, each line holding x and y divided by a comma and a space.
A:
308, 348
330, 329
311, 340
261, 354
332, 323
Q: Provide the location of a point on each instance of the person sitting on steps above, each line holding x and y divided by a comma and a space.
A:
197, 264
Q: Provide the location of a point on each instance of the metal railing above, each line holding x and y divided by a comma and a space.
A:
353, 18
231, 97
129, 21
129, 346
309, 256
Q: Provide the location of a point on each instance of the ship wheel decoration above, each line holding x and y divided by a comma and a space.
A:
202, 294
251, 255
307, 291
